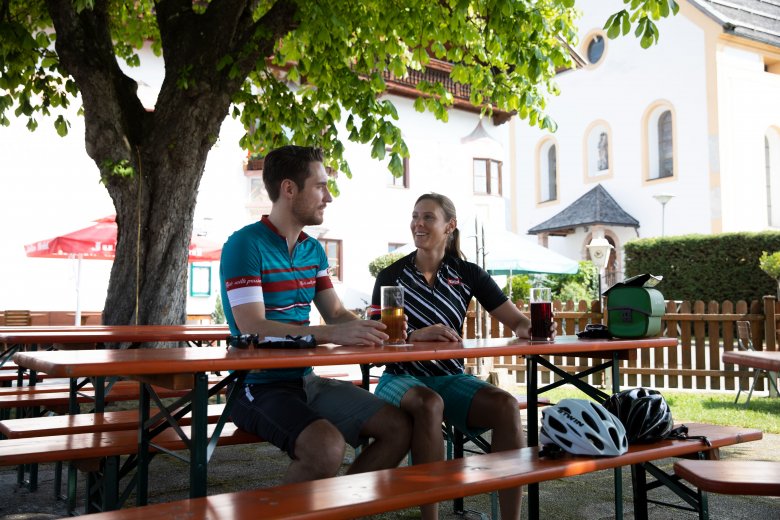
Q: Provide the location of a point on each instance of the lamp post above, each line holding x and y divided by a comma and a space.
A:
599, 249
663, 198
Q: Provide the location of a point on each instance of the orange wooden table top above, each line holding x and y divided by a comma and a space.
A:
765, 360
81, 363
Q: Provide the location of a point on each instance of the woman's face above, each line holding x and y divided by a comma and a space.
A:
430, 227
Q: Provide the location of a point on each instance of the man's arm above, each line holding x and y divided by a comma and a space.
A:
332, 308
346, 329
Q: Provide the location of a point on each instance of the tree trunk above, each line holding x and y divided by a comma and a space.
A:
152, 161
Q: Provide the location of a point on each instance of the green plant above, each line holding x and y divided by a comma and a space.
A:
770, 264
521, 287
218, 316
380, 262
582, 285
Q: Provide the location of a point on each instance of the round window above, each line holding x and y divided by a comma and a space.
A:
595, 49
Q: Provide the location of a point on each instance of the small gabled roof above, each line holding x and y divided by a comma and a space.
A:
593, 208
754, 19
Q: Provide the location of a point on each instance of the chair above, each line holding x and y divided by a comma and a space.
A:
16, 318
745, 343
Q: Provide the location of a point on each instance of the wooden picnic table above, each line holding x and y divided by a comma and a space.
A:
761, 359
153, 365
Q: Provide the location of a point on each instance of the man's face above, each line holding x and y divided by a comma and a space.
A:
308, 206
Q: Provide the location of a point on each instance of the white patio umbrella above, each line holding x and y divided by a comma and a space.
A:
507, 253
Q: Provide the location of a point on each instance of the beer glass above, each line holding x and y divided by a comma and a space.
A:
393, 313
541, 314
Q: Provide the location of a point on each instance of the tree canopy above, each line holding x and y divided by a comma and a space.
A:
291, 70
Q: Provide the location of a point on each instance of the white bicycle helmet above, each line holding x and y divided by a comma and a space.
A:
582, 427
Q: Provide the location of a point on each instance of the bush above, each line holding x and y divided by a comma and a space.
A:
706, 267
770, 264
521, 287
380, 262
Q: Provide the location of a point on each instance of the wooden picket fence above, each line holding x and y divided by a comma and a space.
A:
704, 331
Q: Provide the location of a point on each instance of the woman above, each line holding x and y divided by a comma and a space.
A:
438, 286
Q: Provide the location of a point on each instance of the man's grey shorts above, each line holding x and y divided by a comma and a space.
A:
279, 411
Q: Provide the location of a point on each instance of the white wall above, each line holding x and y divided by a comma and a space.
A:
749, 104
618, 90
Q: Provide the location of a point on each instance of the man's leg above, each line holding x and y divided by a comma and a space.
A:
360, 415
319, 452
278, 413
391, 430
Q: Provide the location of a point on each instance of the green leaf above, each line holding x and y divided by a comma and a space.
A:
378, 149
61, 125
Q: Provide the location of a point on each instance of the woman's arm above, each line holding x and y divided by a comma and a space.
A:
510, 316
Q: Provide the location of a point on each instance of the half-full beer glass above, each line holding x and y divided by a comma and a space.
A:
541, 314
393, 313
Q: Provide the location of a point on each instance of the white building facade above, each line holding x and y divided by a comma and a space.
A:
696, 116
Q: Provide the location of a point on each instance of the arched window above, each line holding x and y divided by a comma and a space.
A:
665, 152
772, 168
598, 153
660, 143
548, 171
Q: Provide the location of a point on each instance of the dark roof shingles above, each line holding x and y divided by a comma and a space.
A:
594, 207
754, 19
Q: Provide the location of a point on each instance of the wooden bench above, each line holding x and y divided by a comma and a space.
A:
84, 446
86, 423
58, 395
732, 477
353, 496
98, 454
8, 377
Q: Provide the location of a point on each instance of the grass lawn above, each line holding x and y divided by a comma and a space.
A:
708, 407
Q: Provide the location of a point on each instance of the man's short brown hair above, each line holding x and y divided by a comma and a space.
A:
288, 162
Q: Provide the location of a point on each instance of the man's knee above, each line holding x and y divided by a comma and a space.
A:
321, 447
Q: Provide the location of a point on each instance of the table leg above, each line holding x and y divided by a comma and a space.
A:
199, 437
144, 438
533, 429
618, 472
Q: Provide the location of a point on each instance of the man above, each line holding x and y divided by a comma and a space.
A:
271, 272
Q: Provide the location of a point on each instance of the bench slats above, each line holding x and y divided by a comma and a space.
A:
364, 494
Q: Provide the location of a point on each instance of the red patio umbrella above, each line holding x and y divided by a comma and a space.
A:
98, 242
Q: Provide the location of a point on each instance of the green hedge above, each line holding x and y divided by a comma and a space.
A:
706, 267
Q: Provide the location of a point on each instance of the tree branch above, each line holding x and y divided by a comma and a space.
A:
112, 111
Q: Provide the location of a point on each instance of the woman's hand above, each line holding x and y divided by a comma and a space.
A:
438, 332
524, 330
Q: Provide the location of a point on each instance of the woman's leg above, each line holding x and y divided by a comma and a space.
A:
498, 410
426, 409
